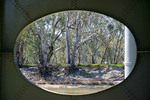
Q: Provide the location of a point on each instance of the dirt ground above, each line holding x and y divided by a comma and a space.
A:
85, 76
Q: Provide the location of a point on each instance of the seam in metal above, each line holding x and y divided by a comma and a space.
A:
74, 4
130, 8
143, 51
128, 92
20, 10
21, 91
125, 14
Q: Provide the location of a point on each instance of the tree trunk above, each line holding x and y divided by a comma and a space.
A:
73, 56
116, 49
95, 56
79, 56
83, 54
43, 54
21, 53
77, 38
67, 40
50, 53
104, 55
94, 50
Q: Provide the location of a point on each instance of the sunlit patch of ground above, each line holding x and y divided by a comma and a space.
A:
74, 89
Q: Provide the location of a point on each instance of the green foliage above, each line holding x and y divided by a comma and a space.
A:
105, 46
110, 27
34, 65
120, 65
117, 65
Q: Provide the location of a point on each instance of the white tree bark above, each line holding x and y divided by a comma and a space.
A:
67, 40
44, 49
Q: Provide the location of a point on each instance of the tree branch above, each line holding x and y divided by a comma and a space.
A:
86, 39
59, 48
58, 35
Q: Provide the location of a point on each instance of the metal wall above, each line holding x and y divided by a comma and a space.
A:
16, 14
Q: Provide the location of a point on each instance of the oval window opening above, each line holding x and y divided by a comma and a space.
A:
75, 52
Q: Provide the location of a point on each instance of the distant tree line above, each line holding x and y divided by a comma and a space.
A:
73, 37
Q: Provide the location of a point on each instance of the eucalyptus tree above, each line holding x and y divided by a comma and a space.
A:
117, 49
72, 38
46, 31
113, 43
75, 26
19, 51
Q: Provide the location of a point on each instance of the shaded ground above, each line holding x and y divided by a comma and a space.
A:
83, 79
81, 75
